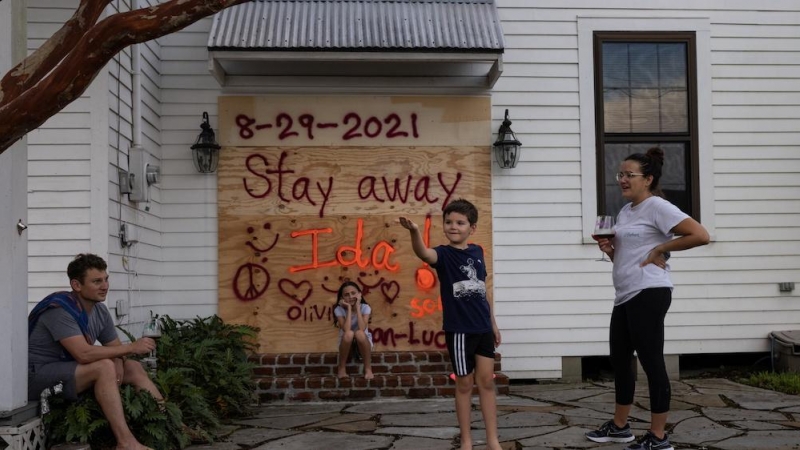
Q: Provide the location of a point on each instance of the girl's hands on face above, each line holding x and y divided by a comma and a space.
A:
351, 297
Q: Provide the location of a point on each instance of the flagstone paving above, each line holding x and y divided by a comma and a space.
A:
708, 414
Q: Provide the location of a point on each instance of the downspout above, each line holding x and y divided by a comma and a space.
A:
136, 89
136, 141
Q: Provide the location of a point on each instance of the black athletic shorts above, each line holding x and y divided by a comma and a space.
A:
463, 348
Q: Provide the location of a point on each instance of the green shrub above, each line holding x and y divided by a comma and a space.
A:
215, 354
203, 373
83, 421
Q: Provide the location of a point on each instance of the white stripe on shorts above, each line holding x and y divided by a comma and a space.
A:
460, 354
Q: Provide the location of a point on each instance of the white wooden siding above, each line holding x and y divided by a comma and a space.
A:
189, 198
59, 174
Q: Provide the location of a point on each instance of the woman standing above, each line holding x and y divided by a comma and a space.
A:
644, 239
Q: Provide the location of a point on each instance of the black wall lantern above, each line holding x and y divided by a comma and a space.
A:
506, 147
205, 152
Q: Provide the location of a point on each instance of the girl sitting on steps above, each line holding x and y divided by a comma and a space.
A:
351, 314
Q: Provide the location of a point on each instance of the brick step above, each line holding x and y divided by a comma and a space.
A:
312, 377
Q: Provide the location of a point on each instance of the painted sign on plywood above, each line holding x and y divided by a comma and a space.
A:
295, 221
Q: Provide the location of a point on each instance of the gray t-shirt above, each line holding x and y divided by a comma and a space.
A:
56, 324
639, 230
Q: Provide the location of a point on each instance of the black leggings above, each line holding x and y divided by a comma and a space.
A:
638, 324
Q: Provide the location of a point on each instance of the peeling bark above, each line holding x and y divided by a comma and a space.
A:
31, 69
42, 85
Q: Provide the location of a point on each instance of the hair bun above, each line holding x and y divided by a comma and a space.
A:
656, 155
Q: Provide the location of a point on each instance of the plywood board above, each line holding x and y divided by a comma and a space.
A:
294, 222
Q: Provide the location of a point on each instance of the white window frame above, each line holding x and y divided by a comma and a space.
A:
587, 26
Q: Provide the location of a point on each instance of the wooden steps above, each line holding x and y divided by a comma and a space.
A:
302, 377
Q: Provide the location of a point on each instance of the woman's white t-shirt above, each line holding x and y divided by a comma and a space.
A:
638, 230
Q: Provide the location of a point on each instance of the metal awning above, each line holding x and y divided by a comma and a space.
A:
424, 42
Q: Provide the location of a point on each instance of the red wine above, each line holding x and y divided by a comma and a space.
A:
597, 237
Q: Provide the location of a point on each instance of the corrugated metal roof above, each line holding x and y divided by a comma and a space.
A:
463, 25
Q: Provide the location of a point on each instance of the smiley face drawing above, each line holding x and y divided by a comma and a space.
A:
254, 242
252, 280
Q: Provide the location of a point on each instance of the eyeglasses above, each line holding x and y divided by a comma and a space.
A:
628, 175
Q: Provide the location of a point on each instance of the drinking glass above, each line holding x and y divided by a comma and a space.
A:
603, 229
152, 330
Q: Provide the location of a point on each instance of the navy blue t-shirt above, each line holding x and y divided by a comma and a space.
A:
462, 277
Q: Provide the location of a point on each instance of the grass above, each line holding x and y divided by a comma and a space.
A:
786, 382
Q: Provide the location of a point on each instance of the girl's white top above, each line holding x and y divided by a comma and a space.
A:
340, 311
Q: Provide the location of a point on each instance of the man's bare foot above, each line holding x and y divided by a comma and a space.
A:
369, 375
135, 445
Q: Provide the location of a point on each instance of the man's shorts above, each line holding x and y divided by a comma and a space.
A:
464, 347
48, 375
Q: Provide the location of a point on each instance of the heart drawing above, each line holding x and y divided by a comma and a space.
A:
299, 292
390, 290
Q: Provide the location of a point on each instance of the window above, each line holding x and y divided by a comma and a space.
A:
645, 96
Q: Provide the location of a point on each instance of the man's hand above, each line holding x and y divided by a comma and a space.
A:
119, 367
408, 224
142, 346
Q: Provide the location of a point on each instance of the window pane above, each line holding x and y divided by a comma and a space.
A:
672, 67
617, 111
674, 111
675, 179
645, 88
644, 65
645, 113
615, 65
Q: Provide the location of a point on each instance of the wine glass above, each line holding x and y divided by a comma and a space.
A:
152, 330
603, 229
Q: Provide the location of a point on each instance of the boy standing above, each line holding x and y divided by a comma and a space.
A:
470, 329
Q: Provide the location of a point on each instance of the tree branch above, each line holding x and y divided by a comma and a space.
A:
73, 75
31, 69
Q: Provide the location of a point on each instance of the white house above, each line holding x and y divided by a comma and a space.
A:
715, 82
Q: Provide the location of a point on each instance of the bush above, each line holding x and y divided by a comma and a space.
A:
215, 354
83, 421
204, 375
786, 382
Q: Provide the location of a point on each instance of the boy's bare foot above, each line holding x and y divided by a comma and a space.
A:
369, 375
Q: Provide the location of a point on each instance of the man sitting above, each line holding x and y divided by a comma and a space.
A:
63, 329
